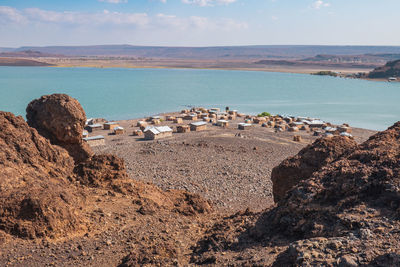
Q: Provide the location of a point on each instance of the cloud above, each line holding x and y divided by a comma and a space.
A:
114, 1
109, 18
199, 23
9, 14
208, 2
81, 18
319, 4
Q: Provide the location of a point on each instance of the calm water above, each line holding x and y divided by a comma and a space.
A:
131, 93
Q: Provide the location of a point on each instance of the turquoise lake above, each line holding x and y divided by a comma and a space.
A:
132, 93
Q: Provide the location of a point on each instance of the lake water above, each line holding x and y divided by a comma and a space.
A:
132, 93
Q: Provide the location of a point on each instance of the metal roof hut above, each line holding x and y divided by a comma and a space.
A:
152, 133
110, 125
198, 126
95, 140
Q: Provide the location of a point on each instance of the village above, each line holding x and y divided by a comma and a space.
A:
201, 119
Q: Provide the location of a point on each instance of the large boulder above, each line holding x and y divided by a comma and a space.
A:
61, 119
346, 195
36, 198
310, 159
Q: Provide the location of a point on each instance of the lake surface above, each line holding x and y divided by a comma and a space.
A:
131, 93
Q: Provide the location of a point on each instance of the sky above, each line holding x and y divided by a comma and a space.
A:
199, 22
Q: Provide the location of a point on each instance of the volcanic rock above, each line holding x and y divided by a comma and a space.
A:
61, 119
36, 199
310, 159
357, 191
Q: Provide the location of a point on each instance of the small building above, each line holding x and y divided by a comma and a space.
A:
315, 123
119, 130
223, 123
170, 118
110, 125
178, 120
259, 120
293, 129
95, 140
156, 121
152, 133
244, 126
142, 124
346, 135
85, 134
93, 127
198, 126
214, 110
183, 129
137, 133
190, 117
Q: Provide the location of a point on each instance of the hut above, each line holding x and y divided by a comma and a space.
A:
119, 130
178, 120
198, 126
170, 118
259, 120
95, 140
223, 123
156, 121
141, 124
297, 138
183, 128
152, 133
190, 117
110, 125
244, 126
93, 127
137, 133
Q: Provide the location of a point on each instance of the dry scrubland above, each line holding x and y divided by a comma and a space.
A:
63, 204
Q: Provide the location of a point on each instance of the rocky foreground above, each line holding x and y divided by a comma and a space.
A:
337, 203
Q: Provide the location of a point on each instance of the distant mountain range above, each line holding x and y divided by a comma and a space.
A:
219, 52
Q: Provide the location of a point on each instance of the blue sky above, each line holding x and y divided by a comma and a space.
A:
199, 22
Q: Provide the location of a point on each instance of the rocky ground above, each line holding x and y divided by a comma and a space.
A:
230, 167
199, 198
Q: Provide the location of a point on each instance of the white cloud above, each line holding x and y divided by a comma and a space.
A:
9, 14
81, 18
114, 1
208, 2
319, 4
163, 1
106, 17
199, 23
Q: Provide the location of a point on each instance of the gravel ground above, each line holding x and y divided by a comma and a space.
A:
230, 170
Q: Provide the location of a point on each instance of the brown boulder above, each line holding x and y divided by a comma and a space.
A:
61, 119
310, 159
36, 199
343, 195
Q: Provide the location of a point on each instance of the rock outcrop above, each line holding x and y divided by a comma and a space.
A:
391, 69
61, 119
310, 159
36, 199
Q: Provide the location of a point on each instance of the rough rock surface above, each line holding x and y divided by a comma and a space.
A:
310, 159
36, 199
101, 171
61, 119
346, 214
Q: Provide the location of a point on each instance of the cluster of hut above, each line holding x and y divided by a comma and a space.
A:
151, 128
92, 125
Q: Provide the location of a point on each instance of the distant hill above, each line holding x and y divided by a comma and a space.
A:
21, 62
391, 69
364, 58
219, 52
28, 53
